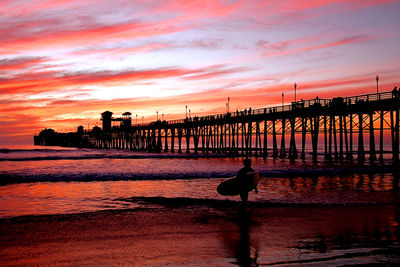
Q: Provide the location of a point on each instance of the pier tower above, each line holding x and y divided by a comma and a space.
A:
126, 120
106, 117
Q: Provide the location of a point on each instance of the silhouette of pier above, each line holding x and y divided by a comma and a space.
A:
342, 127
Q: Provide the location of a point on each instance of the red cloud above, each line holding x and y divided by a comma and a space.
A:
91, 35
39, 82
213, 72
43, 82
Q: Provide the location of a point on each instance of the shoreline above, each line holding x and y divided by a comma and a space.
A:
156, 203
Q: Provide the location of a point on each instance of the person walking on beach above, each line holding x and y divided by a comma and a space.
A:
395, 92
241, 176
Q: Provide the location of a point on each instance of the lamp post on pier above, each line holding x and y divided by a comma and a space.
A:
186, 112
283, 97
295, 87
377, 81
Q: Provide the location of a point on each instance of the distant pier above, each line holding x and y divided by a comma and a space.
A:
339, 128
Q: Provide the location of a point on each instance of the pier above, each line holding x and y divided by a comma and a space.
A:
339, 128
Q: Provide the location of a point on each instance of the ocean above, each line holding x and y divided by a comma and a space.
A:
336, 213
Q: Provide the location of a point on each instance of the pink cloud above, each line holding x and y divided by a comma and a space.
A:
20, 63
27, 7
301, 45
304, 5
47, 30
120, 50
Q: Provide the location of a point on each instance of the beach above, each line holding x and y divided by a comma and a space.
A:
204, 235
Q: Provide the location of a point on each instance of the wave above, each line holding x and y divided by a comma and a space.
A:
11, 178
114, 155
28, 178
215, 203
44, 150
330, 171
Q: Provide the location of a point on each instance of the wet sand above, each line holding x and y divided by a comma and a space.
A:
206, 235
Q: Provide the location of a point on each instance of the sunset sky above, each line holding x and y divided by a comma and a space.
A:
63, 62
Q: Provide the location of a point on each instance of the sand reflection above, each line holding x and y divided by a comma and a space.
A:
237, 239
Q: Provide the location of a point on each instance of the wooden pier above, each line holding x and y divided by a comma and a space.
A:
339, 128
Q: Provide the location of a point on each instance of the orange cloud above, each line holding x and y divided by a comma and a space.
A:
25, 117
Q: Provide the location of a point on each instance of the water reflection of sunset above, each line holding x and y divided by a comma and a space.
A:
70, 197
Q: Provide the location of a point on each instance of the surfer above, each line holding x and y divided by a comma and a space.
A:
245, 181
241, 176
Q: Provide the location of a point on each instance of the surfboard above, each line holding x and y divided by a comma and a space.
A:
234, 186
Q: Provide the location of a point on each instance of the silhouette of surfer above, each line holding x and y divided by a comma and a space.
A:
241, 176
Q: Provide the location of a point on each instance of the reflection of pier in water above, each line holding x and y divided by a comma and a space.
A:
327, 126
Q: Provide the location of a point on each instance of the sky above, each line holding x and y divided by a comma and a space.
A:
62, 63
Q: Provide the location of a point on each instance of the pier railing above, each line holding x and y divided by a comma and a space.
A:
302, 104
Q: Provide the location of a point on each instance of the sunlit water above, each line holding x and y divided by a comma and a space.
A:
305, 213
65, 180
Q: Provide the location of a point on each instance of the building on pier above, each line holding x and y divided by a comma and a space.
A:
107, 118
